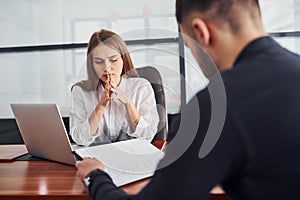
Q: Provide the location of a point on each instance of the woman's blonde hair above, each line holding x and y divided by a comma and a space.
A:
114, 41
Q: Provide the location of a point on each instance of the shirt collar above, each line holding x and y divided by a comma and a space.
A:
122, 84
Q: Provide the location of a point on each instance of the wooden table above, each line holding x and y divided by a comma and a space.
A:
39, 179
50, 180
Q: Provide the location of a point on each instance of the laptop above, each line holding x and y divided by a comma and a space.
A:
45, 137
43, 132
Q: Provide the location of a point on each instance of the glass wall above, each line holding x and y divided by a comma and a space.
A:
46, 76
278, 16
282, 16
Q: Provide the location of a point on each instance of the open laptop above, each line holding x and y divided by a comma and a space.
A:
43, 132
45, 136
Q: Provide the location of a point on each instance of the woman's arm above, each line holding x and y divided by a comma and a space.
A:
79, 123
141, 109
143, 113
98, 112
84, 123
133, 113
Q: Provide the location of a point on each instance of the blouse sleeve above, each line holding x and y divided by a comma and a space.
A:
79, 119
146, 105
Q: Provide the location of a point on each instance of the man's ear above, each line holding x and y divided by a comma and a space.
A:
201, 31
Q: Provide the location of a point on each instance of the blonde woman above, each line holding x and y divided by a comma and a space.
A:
113, 104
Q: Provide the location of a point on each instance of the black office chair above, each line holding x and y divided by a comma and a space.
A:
153, 76
9, 132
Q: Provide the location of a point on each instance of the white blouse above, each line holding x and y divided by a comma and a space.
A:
115, 123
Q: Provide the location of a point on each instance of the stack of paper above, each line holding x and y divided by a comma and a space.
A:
125, 161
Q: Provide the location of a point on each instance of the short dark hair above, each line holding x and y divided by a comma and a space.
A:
218, 10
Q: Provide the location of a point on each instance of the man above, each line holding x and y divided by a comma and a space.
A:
257, 155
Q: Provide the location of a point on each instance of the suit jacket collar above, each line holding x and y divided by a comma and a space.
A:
255, 47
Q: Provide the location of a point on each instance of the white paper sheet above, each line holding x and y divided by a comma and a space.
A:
125, 161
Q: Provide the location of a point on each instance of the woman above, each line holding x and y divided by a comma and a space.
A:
113, 104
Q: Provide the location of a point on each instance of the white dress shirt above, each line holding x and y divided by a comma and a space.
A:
115, 124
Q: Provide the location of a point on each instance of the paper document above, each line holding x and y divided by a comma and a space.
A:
10, 152
125, 161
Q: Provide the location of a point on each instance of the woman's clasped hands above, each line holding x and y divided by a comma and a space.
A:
112, 92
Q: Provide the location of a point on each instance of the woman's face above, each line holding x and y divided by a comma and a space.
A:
107, 62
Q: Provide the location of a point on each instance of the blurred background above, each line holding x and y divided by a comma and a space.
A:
43, 45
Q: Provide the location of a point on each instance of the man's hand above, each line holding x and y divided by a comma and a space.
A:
86, 166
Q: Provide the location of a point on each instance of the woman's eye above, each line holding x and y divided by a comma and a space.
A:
99, 62
114, 60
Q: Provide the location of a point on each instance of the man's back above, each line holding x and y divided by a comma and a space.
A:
257, 153
264, 104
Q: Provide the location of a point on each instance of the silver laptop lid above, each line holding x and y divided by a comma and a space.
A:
43, 132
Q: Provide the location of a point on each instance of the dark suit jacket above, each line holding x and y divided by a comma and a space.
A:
258, 153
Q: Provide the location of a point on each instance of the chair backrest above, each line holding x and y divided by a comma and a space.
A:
153, 76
